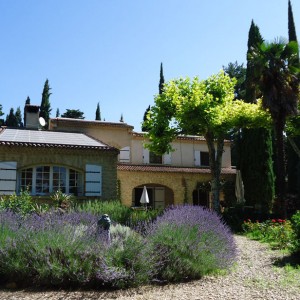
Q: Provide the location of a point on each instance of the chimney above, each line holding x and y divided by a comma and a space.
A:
31, 116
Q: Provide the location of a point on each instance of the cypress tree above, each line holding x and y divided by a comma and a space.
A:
256, 165
161, 79
160, 90
57, 113
18, 116
45, 103
291, 24
293, 161
98, 113
11, 120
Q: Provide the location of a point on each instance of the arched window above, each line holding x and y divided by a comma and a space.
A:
43, 180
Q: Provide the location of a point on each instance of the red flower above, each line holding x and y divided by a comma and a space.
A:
273, 221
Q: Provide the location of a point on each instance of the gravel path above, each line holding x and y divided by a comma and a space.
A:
255, 277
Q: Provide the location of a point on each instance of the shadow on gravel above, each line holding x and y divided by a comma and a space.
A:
291, 260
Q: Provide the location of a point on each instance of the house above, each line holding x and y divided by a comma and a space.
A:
178, 177
46, 161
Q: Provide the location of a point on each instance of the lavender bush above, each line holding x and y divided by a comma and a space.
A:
194, 241
69, 250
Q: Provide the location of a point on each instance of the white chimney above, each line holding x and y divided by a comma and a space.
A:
31, 119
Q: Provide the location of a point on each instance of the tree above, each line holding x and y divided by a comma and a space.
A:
276, 71
121, 119
98, 113
45, 104
200, 108
18, 116
27, 102
160, 90
11, 120
144, 127
1, 114
73, 114
256, 166
291, 24
161, 79
57, 113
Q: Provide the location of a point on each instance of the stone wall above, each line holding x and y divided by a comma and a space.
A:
76, 159
182, 184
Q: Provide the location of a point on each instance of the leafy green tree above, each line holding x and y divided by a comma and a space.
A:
11, 120
276, 71
73, 114
45, 109
203, 108
98, 113
256, 166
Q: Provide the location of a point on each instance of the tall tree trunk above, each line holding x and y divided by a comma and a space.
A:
215, 162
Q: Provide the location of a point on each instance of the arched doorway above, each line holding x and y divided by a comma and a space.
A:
159, 196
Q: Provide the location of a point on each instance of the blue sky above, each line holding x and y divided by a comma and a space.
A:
109, 51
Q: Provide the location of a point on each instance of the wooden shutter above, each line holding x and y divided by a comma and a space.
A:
125, 155
8, 177
197, 158
93, 180
145, 156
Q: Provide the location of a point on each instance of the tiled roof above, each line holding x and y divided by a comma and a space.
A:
170, 169
81, 122
41, 138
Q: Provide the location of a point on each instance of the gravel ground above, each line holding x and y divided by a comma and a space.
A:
255, 277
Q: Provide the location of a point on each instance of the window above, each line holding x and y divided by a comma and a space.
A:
204, 159
201, 158
43, 180
154, 158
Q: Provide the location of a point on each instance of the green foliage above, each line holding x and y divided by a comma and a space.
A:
277, 232
62, 200
98, 113
296, 226
206, 108
11, 119
21, 204
73, 114
117, 212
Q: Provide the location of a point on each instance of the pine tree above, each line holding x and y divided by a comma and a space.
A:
57, 113
45, 104
98, 113
256, 166
121, 118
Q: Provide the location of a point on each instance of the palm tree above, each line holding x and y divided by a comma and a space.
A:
276, 68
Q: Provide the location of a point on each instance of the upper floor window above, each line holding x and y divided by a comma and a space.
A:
43, 180
152, 158
201, 158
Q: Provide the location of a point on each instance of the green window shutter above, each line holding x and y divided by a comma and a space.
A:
93, 180
8, 177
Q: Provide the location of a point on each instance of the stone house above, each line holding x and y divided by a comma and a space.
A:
46, 161
175, 178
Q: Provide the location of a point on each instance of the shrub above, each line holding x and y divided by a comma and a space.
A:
192, 241
21, 204
296, 226
277, 232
